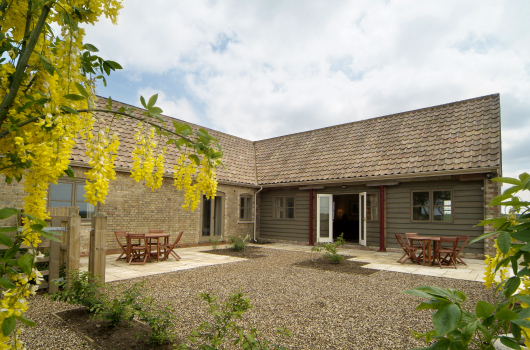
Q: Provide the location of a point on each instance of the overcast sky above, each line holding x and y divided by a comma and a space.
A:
260, 69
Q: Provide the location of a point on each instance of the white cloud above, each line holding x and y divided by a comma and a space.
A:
264, 69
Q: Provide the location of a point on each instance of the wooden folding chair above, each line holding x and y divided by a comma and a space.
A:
448, 252
461, 238
123, 247
169, 248
138, 250
410, 252
418, 246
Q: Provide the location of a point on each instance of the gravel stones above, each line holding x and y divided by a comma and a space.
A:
323, 309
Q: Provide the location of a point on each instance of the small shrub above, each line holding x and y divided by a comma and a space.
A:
331, 250
226, 328
121, 308
214, 242
82, 290
239, 244
315, 249
160, 322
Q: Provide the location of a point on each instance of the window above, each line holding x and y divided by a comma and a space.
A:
71, 194
245, 207
284, 208
432, 206
372, 207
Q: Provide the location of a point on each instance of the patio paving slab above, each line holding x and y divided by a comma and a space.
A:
193, 257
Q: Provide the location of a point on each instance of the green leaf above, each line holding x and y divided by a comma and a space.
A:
152, 101
510, 343
25, 262
155, 111
114, 65
522, 323
524, 298
4, 282
91, 48
456, 345
484, 309
432, 304
8, 212
511, 286
194, 158
506, 315
47, 65
6, 240
51, 235
70, 172
26, 321
36, 227
8, 325
10, 253
74, 97
7, 229
508, 180
142, 101
447, 319
81, 90
442, 344
69, 110
504, 242
468, 332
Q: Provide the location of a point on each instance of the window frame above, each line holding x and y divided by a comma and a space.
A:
73, 201
283, 208
431, 206
247, 216
376, 206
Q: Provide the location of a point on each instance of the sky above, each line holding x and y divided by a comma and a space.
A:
261, 69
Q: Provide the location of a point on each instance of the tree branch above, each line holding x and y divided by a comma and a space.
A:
23, 61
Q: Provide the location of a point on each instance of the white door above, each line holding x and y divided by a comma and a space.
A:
362, 218
324, 218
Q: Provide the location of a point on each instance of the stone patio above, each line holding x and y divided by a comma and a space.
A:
195, 257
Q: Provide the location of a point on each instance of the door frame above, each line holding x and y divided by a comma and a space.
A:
331, 215
212, 218
362, 218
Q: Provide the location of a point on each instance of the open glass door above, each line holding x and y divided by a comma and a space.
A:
324, 218
362, 218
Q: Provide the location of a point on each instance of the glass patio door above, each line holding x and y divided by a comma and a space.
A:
324, 218
362, 218
212, 217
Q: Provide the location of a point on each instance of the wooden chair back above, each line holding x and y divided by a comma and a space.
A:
410, 252
121, 234
447, 247
169, 248
137, 244
463, 239
156, 231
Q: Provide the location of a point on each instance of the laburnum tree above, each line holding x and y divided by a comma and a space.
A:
47, 92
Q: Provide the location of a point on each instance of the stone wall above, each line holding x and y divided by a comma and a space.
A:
10, 197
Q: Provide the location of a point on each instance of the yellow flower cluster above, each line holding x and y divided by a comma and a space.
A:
102, 150
205, 183
490, 276
145, 166
46, 143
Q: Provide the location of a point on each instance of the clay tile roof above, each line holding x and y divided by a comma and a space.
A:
459, 135
238, 153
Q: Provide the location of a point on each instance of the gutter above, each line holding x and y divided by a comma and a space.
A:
255, 211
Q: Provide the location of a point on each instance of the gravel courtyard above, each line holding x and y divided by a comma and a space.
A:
323, 310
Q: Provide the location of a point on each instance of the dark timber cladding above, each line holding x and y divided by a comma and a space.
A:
296, 229
468, 210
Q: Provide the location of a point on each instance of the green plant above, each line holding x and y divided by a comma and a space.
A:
214, 242
82, 289
120, 309
331, 250
160, 321
238, 244
225, 328
315, 249
457, 328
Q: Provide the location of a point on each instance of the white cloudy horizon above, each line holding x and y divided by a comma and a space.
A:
264, 69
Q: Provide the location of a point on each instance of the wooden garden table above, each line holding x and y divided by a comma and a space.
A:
426, 243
